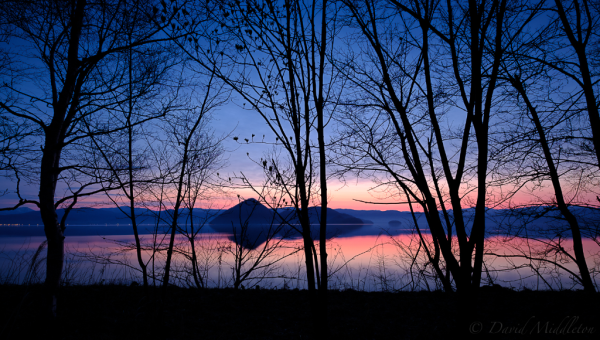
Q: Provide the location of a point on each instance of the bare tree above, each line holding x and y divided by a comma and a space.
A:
272, 54
201, 186
428, 65
191, 156
545, 109
577, 59
257, 249
65, 79
121, 156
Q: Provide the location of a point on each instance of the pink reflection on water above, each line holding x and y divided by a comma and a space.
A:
367, 262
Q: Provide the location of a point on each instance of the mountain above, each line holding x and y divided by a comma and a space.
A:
249, 223
261, 221
248, 212
252, 212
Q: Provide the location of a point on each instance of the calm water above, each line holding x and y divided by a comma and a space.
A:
365, 258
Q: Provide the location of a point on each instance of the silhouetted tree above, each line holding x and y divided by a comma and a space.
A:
201, 186
120, 157
257, 249
428, 65
192, 155
272, 54
546, 121
575, 55
67, 79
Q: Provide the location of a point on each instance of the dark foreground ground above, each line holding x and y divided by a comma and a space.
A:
121, 312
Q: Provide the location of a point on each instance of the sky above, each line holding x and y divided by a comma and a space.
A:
229, 120
236, 122
232, 120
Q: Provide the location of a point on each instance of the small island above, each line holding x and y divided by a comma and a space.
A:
394, 223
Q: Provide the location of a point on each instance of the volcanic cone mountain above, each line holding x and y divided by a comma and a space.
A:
249, 212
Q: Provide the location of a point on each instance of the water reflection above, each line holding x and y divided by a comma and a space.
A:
369, 257
253, 236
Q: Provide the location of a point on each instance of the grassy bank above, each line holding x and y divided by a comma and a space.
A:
121, 312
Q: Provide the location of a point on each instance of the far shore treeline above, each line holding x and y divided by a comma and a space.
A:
110, 221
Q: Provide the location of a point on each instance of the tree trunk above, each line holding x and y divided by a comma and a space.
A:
579, 45
138, 247
323, 322
586, 280
52, 228
54, 137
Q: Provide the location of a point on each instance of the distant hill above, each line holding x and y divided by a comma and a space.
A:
19, 210
341, 222
86, 216
91, 221
102, 216
338, 223
333, 217
536, 221
383, 217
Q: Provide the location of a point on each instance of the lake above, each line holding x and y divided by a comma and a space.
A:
368, 257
